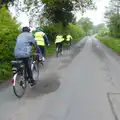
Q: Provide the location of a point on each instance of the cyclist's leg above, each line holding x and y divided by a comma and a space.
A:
28, 68
41, 48
29, 71
43, 52
39, 52
60, 45
70, 42
57, 45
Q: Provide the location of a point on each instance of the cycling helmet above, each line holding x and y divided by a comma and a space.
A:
25, 29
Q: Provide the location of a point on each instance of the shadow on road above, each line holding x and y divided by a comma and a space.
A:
47, 84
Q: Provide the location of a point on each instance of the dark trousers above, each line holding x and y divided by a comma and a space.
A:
42, 48
27, 64
39, 52
68, 42
60, 45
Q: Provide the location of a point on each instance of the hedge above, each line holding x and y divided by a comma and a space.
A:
9, 30
54, 29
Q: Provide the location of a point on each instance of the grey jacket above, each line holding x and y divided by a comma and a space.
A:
24, 44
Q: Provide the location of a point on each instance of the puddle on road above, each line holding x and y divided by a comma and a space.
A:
47, 84
114, 100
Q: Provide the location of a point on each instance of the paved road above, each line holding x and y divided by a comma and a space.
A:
83, 84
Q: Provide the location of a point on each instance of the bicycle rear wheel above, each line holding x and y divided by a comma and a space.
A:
19, 84
68, 46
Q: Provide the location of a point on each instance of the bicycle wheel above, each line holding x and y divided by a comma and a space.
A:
57, 51
35, 70
19, 84
41, 64
68, 46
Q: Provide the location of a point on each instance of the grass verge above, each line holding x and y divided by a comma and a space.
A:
113, 43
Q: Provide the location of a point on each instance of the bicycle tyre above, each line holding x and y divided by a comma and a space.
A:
57, 51
35, 69
23, 87
68, 46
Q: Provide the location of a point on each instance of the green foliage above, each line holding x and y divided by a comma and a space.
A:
50, 50
54, 29
103, 31
98, 27
113, 43
86, 24
55, 11
6, 3
60, 11
8, 33
112, 16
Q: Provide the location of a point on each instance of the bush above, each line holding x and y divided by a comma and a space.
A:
8, 33
54, 29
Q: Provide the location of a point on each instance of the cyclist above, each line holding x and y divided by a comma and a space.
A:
23, 50
68, 39
59, 41
41, 40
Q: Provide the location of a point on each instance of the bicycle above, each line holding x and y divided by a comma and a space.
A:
35, 65
20, 74
58, 50
68, 45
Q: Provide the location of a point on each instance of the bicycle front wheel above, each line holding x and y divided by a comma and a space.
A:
35, 70
19, 85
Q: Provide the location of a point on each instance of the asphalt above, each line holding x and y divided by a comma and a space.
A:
83, 84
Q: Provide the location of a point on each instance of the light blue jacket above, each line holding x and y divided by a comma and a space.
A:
24, 44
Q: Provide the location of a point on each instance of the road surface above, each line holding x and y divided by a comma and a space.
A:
83, 84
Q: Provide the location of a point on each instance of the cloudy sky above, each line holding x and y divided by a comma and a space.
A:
96, 16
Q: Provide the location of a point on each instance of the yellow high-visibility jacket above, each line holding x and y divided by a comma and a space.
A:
59, 39
39, 37
69, 37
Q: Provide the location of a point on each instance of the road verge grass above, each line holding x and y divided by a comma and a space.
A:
113, 43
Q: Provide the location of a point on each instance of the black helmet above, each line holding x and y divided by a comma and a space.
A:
25, 29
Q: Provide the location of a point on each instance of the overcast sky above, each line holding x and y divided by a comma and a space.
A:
96, 16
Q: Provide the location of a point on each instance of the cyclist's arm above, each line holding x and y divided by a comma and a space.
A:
46, 39
71, 37
33, 41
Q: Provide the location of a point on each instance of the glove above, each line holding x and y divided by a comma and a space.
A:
48, 44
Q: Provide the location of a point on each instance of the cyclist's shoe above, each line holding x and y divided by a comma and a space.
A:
40, 59
43, 59
61, 53
32, 83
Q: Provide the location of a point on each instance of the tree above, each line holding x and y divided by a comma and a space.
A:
103, 31
98, 27
8, 33
56, 11
61, 11
6, 3
86, 24
112, 16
